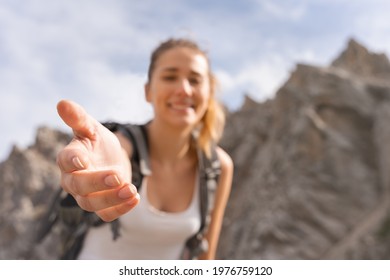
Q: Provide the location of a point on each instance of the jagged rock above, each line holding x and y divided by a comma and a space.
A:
316, 185
248, 103
311, 178
28, 179
359, 60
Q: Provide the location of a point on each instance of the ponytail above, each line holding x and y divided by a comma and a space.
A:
213, 121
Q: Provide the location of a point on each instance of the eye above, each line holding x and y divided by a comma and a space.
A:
169, 78
195, 80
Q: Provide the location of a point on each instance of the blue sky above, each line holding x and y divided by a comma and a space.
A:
96, 52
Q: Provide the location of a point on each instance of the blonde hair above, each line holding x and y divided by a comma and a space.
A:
213, 121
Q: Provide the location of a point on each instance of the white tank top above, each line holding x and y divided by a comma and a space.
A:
145, 232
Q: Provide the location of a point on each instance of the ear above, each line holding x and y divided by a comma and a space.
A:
147, 92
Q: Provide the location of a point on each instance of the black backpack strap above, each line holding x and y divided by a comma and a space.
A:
140, 162
75, 224
50, 217
209, 171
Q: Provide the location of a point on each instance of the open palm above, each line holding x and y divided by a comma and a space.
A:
95, 170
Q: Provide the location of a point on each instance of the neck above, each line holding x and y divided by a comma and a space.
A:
168, 144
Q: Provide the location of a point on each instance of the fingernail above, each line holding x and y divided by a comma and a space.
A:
135, 200
133, 189
112, 181
125, 192
76, 161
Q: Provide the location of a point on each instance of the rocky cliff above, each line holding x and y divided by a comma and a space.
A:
28, 181
312, 165
311, 180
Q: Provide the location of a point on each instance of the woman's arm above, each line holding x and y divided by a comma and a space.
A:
221, 199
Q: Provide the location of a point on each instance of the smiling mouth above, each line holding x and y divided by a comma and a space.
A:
181, 106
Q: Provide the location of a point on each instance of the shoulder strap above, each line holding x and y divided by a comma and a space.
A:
209, 171
49, 218
140, 163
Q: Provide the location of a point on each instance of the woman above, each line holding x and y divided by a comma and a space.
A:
96, 170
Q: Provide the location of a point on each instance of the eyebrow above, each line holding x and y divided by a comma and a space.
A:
175, 69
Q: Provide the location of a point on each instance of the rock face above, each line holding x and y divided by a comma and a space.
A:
312, 165
311, 180
29, 179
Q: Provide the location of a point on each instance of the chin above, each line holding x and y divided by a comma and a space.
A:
184, 122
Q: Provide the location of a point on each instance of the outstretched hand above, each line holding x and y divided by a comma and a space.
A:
95, 169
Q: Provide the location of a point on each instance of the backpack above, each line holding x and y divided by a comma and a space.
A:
75, 221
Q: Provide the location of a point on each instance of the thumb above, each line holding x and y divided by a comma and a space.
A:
83, 125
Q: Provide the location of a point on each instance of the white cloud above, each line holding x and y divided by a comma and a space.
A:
281, 10
109, 94
53, 50
374, 25
259, 78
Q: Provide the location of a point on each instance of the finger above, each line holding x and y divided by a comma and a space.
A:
106, 199
84, 183
116, 211
77, 118
72, 158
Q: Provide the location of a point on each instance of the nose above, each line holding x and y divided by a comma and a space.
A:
184, 87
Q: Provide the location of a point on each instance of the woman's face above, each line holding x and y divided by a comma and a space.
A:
179, 89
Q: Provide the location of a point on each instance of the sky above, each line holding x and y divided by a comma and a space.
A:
96, 52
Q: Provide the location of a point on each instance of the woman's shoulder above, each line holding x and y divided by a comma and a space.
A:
225, 159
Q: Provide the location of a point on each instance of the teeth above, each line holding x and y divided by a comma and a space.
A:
181, 106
